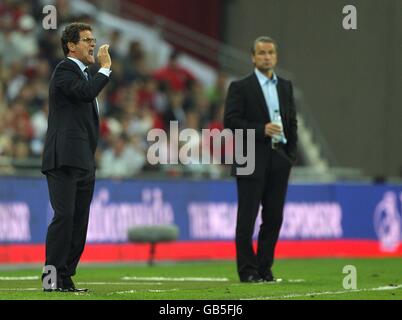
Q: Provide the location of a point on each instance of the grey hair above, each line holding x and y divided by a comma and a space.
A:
264, 39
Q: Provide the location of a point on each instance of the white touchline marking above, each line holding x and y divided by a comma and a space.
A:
20, 289
326, 293
121, 283
123, 292
278, 281
175, 279
167, 290
19, 278
137, 291
295, 280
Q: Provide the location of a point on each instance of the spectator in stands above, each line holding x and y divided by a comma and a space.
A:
11, 12
217, 123
139, 122
3, 105
15, 79
134, 63
121, 160
203, 108
116, 45
6, 142
8, 52
39, 126
21, 150
175, 110
20, 121
49, 47
173, 74
161, 98
64, 14
24, 39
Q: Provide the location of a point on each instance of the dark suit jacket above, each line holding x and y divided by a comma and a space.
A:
246, 109
73, 123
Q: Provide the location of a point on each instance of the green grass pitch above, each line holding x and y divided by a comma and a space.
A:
301, 279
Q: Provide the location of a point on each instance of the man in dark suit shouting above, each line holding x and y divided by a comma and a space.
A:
68, 156
263, 102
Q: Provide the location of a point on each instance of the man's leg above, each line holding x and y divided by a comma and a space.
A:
273, 200
84, 193
249, 197
62, 189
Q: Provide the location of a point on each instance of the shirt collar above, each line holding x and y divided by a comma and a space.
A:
79, 63
263, 79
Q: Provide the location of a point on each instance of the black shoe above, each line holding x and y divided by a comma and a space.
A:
74, 289
68, 285
269, 277
56, 290
253, 278
54, 287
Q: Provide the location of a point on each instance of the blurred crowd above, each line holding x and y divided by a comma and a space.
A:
137, 99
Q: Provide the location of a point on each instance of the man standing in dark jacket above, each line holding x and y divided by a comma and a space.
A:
68, 156
263, 102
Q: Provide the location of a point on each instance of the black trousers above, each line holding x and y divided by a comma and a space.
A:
70, 190
270, 192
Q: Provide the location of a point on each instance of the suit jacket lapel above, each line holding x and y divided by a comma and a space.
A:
77, 69
94, 103
260, 95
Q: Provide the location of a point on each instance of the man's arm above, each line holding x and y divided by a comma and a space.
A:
72, 85
235, 111
292, 134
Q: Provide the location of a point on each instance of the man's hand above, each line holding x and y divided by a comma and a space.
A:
104, 57
272, 129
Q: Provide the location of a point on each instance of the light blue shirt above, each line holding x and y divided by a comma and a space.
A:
82, 67
270, 92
